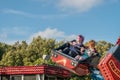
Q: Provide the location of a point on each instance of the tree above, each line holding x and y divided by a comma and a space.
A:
103, 47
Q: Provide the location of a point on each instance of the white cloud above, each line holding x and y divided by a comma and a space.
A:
3, 35
26, 14
70, 37
17, 12
49, 33
18, 30
79, 5
75, 5
53, 33
10, 34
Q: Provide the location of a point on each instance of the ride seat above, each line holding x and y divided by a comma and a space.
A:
92, 61
95, 60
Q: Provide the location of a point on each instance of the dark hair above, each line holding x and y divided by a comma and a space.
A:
81, 36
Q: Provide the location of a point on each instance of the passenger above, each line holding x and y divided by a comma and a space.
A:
91, 48
72, 48
90, 51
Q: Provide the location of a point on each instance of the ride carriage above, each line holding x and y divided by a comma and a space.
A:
80, 68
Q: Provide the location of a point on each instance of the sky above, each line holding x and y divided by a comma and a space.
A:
21, 20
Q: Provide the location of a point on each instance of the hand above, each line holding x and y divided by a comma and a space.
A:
82, 49
73, 43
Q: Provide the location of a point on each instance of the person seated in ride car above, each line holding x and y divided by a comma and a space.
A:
72, 48
90, 51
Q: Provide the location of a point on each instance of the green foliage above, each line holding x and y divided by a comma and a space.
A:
103, 46
3, 48
21, 54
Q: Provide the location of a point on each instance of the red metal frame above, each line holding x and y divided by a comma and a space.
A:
118, 42
42, 69
109, 66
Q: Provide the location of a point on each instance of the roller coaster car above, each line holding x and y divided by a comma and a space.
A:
109, 65
78, 67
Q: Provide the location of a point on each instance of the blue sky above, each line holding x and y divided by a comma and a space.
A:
59, 19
